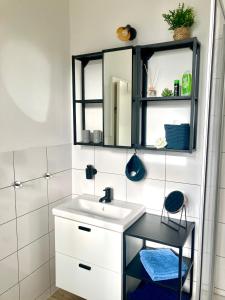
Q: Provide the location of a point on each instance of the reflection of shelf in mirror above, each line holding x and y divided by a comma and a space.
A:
172, 98
89, 144
163, 149
89, 101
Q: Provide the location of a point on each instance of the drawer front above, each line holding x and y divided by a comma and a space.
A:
89, 243
87, 281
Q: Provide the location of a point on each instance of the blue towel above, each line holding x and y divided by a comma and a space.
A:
161, 264
153, 292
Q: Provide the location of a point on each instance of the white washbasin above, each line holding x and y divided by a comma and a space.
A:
116, 215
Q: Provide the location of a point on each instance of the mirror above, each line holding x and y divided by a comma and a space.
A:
117, 97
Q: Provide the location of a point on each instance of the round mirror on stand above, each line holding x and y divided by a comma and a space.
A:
174, 203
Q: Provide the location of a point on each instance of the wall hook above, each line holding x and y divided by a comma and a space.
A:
90, 172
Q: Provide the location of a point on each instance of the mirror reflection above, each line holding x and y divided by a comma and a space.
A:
117, 97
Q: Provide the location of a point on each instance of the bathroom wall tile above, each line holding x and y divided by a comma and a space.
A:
110, 160
80, 184
220, 243
31, 196
36, 284
219, 295
148, 192
219, 273
51, 217
193, 193
45, 295
223, 137
12, 294
30, 163
6, 169
82, 156
216, 96
197, 232
218, 63
52, 271
32, 226
8, 272
60, 186
33, 256
8, 239
154, 163
52, 243
59, 158
116, 182
219, 22
184, 168
222, 171
221, 209
7, 205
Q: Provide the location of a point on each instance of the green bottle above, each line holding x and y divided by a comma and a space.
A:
186, 84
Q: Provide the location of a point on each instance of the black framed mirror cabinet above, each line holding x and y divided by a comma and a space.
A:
142, 97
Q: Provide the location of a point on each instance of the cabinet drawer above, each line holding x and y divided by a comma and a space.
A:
89, 243
87, 281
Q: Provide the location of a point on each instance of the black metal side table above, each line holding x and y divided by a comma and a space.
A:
150, 228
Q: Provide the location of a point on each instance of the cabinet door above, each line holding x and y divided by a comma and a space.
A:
89, 243
87, 280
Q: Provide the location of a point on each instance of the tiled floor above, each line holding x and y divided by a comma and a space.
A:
63, 295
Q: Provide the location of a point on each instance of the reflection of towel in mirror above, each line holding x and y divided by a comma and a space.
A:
161, 264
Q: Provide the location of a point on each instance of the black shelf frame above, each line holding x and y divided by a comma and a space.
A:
84, 59
144, 54
172, 98
150, 228
141, 55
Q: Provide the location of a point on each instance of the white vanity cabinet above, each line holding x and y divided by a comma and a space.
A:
88, 260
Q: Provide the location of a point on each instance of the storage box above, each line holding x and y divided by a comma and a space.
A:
177, 136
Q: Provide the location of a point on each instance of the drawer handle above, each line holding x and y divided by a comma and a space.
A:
85, 267
84, 228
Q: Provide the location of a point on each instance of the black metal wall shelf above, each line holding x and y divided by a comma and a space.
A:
88, 101
172, 98
89, 144
150, 228
84, 59
153, 148
142, 54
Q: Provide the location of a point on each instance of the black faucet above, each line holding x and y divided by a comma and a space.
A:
108, 195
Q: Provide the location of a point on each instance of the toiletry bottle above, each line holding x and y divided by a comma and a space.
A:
186, 84
176, 88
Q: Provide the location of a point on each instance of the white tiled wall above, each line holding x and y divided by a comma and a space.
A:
220, 243
218, 80
27, 269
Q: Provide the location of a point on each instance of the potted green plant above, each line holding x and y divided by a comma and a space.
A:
180, 21
167, 93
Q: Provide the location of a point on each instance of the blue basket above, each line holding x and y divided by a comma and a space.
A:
177, 136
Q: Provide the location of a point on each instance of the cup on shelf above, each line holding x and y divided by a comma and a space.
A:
86, 136
97, 136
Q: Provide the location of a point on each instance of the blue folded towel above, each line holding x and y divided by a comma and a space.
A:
161, 264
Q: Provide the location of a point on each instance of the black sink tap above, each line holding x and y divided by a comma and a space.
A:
108, 195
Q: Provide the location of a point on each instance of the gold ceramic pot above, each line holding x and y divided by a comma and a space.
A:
182, 33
